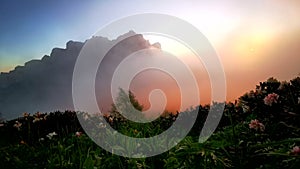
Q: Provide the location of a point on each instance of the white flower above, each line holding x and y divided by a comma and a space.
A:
41, 139
46, 116
85, 116
78, 134
110, 119
17, 125
245, 108
102, 125
50, 135
36, 120
26, 114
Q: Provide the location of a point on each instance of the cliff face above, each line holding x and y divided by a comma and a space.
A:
46, 85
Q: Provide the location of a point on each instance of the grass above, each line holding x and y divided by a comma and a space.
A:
25, 142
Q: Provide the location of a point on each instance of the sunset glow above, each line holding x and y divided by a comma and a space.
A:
150, 84
255, 39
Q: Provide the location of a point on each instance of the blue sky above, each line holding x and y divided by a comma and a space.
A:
30, 29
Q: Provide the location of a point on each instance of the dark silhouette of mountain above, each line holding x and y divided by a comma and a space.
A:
46, 85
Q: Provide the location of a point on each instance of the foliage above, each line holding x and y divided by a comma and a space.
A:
127, 103
260, 130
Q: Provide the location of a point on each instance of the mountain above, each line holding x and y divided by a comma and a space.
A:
46, 85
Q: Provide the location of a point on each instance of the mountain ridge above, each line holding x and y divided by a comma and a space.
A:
46, 84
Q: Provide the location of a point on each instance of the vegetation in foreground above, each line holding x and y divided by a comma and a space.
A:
260, 130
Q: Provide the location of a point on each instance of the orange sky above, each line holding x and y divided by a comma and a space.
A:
251, 51
254, 39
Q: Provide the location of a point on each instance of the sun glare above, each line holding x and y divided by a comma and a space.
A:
251, 46
169, 44
176, 48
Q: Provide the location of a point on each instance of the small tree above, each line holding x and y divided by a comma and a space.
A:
128, 104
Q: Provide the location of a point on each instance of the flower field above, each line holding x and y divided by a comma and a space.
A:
260, 130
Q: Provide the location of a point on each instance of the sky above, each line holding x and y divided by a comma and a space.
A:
254, 39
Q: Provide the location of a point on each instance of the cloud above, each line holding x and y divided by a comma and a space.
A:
39, 85
46, 85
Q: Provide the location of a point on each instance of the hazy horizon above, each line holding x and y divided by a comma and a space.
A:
255, 40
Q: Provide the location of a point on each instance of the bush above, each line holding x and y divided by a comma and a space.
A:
260, 130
